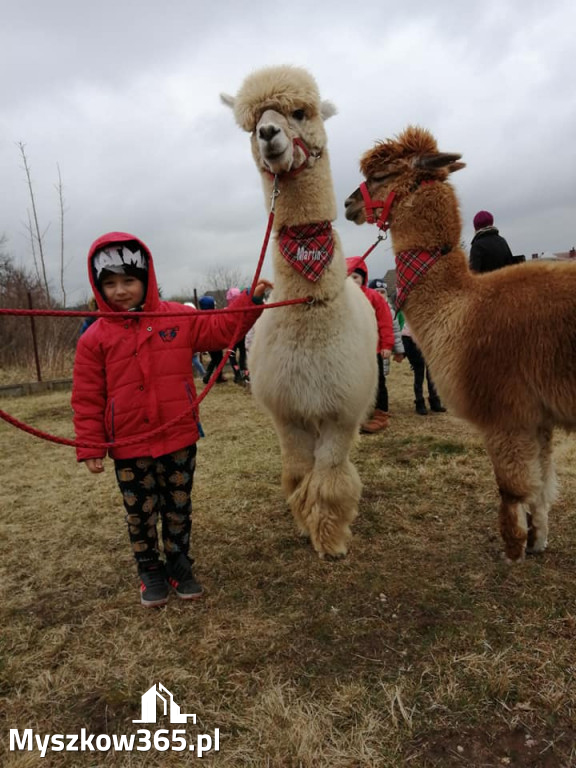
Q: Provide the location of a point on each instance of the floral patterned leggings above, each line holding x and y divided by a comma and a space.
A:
152, 487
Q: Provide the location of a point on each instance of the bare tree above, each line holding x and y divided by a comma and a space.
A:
33, 245
36, 231
219, 279
60, 190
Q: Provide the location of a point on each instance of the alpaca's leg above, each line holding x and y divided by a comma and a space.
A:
297, 448
516, 461
538, 515
327, 500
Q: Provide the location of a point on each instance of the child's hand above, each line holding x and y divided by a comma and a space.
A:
398, 358
385, 353
262, 287
95, 465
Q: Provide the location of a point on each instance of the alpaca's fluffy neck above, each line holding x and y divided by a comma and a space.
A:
428, 218
437, 298
304, 198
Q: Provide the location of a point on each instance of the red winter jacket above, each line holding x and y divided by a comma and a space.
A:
134, 374
381, 306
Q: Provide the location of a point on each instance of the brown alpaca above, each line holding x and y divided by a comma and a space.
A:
500, 345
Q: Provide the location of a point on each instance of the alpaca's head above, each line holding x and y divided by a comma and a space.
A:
398, 171
279, 106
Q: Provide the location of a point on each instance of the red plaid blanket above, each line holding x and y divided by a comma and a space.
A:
308, 248
411, 266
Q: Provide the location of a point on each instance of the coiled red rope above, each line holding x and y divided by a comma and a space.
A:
158, 430
193, 406
201, 315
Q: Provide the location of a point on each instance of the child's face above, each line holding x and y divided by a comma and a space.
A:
357, 278
125, 291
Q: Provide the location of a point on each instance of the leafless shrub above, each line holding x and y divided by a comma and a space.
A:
56, 337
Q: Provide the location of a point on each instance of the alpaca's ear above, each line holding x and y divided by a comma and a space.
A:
327, 109
456, 167
438, 160
228, 100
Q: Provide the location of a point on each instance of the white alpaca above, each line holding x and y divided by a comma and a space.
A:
312, 366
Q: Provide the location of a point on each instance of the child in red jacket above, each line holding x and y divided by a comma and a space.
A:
358, 272
133, 375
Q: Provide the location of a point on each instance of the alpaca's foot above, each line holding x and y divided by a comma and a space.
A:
324, 504
514, 527
537, 548
332, 558
334, 546
510, 560
537, 539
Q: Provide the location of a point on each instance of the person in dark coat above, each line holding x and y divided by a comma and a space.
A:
488, 250
207, 303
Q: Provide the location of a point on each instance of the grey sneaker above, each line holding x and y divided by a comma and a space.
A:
154, 588
181, 578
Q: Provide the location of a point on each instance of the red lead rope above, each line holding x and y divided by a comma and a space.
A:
263, 250
129, 441
193, 407
158, 430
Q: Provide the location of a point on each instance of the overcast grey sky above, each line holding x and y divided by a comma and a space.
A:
123, 95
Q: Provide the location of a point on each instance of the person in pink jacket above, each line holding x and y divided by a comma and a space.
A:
132, 377
358, 271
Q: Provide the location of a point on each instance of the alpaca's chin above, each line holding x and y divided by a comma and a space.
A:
278, 163
355, 216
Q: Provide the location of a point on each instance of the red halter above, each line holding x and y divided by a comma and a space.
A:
297, 142
370, 205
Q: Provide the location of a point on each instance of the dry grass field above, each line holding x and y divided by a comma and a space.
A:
422, 648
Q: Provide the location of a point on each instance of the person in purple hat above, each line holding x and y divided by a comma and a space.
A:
488, 249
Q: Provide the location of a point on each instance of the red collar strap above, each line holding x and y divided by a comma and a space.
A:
308, 248
411, 266
370, 205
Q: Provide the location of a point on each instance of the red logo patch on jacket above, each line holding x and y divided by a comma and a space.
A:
169, 334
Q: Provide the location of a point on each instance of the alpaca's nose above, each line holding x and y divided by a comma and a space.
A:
267, 132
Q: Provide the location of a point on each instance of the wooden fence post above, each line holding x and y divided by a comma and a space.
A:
34, 342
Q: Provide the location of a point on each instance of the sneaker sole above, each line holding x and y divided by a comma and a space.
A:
195, 596
153, 603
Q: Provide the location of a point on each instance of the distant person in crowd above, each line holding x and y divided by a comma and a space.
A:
488, 249
237, 357
88, 321
196, 361
420, 369
133, 389
207, 303
358, 272
398, 352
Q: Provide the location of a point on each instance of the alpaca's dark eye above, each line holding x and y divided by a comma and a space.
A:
382, 177
298, 114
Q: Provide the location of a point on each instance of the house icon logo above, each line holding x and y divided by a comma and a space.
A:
155, 694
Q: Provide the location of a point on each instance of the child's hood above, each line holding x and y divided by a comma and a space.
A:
152, 297
354, 263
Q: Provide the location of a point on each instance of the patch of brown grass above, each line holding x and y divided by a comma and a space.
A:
421, 648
